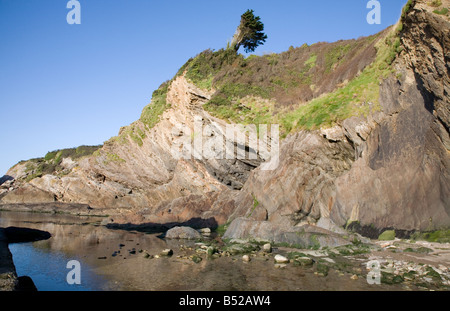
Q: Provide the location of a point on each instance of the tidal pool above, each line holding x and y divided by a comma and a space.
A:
113, 260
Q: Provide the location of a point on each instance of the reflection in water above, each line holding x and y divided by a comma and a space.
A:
47, 269
46, 261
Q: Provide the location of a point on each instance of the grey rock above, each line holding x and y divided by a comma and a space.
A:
301, 236
183, 233
147, 255
267, 248
304, 261
281, 259
246, 258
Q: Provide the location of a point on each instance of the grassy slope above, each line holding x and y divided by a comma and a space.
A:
295, 74
51, 163
357, 97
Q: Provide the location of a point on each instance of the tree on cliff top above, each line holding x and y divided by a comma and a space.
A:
249, 33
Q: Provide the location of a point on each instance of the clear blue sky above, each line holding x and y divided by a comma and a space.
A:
67, 85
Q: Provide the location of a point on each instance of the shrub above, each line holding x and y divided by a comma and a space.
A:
440, 236
112, 157
406, 8
151, 113
387, 235
335, 55
204, 66
51, 162
443, 11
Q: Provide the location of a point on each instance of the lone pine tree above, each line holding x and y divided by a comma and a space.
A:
249, 33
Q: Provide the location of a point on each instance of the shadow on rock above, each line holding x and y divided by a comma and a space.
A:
21, 235
5, 179
196, 223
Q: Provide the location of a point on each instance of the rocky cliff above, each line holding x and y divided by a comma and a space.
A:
384, 165
145, 181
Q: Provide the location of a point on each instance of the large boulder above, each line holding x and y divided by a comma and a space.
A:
183, 233
305, 236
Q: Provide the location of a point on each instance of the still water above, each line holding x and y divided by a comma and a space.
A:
46, 261
47, 269
111, 260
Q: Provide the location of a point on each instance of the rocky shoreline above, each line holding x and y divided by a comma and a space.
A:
410, 264
172, 257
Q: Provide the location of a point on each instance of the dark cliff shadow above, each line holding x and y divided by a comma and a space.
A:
372, 232
428, 98
5, 179
22, 235
196, 223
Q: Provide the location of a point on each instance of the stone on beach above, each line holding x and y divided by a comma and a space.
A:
183, 233
281, 259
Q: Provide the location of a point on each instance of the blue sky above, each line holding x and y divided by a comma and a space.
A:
64, 85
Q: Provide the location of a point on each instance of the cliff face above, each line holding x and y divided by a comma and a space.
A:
146, 181
402, 181
387, 169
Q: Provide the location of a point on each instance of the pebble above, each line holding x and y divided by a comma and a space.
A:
147, 255
246, 258
167, 252
280, 266
328, 259
281, 259
354, 277
267, 248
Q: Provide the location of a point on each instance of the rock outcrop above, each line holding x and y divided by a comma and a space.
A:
8, 275
403, 179
148, 181
388, 170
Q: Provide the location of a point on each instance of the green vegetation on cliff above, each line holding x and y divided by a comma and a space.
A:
308, 87
151, 113
303, 88
51, 163
150, 116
